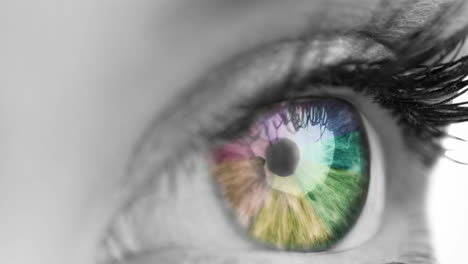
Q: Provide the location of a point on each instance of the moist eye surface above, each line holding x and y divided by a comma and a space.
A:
298, 178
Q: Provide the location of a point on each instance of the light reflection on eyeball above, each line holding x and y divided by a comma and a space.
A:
298, 179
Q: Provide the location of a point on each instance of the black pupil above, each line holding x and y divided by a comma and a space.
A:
282, 157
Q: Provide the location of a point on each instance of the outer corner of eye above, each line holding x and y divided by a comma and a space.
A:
307, 176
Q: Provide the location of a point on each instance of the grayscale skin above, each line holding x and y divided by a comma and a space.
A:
87, 78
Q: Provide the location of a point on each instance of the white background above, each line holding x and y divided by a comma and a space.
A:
448, 201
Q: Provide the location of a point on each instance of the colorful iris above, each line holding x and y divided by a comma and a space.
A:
298, 178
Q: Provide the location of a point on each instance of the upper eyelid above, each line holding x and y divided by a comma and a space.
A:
260, 73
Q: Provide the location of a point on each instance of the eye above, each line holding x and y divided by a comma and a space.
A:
328, 197
278, 155
298, 179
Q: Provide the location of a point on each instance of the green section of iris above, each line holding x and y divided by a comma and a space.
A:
339, 199
335, 186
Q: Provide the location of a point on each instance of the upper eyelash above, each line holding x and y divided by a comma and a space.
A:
301, 114
419, 94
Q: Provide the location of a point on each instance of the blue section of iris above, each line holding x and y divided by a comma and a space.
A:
344, 135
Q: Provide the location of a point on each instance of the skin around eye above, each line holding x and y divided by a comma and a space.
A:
299, 178
180, 214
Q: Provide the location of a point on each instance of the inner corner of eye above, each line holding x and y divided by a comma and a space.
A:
299, 178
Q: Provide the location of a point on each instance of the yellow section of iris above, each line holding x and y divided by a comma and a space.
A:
289, 221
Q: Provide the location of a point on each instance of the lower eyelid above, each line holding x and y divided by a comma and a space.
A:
162, 192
